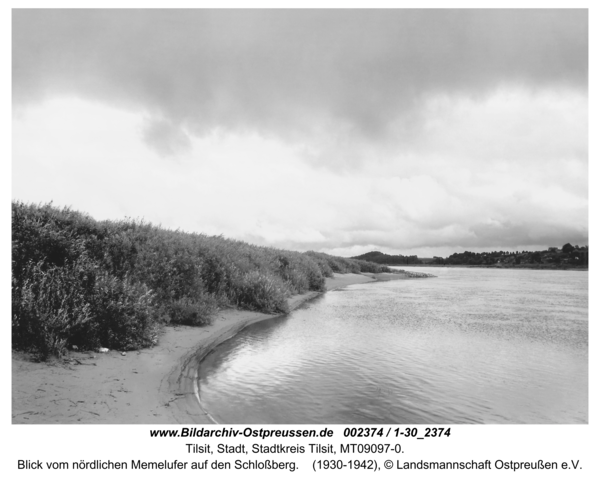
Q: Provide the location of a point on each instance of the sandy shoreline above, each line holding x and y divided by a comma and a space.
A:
149, 386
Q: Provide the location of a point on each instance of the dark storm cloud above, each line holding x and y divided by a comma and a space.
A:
291, 72
164, 137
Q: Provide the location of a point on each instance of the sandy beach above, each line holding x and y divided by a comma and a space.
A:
149, 386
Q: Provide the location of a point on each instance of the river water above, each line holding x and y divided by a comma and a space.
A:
468, 346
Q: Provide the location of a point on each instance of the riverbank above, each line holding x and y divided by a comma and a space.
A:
149, 386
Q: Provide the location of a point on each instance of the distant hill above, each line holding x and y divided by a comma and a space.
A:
387, 259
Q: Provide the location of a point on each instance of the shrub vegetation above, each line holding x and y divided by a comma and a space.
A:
77, 281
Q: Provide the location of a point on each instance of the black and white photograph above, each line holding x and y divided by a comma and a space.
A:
300, 216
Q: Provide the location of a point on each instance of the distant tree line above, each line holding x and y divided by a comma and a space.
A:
566, 256
553, 257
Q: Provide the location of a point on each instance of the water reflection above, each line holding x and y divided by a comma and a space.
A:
470, 346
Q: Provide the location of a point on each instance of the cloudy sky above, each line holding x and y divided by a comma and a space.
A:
421, 132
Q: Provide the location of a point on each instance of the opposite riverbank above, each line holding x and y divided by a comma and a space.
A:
149, 386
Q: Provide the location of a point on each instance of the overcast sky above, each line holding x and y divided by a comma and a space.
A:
405, 131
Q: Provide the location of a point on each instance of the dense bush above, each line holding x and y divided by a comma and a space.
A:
342, 265
111, 284
367, 266
124, 314
322, 263
48, 305
76, 304
261, 291
338, 265
189, 311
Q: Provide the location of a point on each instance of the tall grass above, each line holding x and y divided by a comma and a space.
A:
112, 284
342, 265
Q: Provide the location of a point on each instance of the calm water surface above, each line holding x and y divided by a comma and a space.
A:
469, 346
